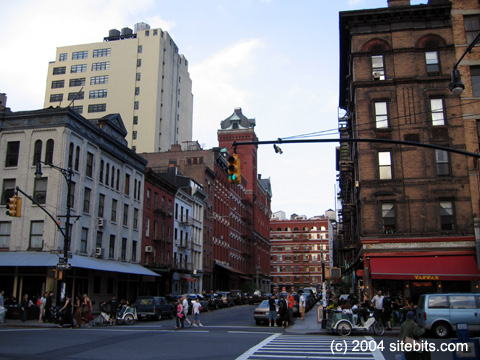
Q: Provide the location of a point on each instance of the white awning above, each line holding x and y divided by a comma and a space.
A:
38, 258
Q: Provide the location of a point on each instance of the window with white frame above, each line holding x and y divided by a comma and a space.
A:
5, 230
113, 215
447, 215
86, 200
437, 112
83, 241
40, 190
389, 218
442, 162
385, 165
36, 235
381, 114
378, 69
432, 63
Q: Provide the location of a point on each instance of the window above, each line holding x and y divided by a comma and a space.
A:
442, 163
137, 91
139, 76
140, 48
101, 205
127, 184
40, 190
378, 69
107, 172
134, 135
431, 60
8, 190
59, 70
70, 156
135, 218
78, 68
134, 250
113, 215
438, 302
13, 149
77, 82
136, 105
139, 62
95, 80
71, 201
447, 217
472, 27
58, 84
83, 241
462, 302
147, 227
111, 247
125, 214
388, 218
385, 165
102, 165
101, 52
148, 200
56, 97
37, 152
155, 32
86, 200
63, 57
96, 94
124, 249
36, 235
49, 151
381, 114
77, 158
101, 66
98, 242
79, 55
135, 120
89, 167
5, 229
436, 107
78, 109
475, 75
80, 95
97, 108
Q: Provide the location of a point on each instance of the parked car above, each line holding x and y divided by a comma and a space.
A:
214, 301
154, 307
255, 297
441, 313
295, 310
260, 314
227, 299
192, 298
238, 297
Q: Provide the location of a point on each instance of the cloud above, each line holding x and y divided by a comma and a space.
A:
216, 86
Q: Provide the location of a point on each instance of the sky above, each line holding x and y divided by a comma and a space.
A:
278, 60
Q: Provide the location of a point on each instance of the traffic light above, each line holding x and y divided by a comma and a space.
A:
14, 206
234, 175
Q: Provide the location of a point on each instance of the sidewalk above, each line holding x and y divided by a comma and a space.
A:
311, 325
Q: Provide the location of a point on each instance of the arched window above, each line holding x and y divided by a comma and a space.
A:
102, 164
138, 190
117, 186
112, 183
295, 228
37, 152
77, 158
107, 172
70, 156
49, 152
279, 229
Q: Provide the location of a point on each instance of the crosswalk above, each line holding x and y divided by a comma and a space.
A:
293, 347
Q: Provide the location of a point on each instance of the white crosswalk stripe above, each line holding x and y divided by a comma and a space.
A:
310, 347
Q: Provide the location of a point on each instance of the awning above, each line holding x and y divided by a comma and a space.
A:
30, 258
425, 268
228, 267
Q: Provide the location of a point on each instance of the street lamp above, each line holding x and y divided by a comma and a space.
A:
456, 86
67, 174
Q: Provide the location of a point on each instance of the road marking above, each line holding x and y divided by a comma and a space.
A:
250, 332
252, 350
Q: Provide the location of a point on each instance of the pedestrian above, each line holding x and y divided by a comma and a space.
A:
77, 310
196, 306
377, 303
410, 333
185, 311
387, 311
113, 304
87, 304
43, 300
272, 311
302, 303
283, 311
3, 311
67, 307
180, 315
25, 306
290, 303
48, 307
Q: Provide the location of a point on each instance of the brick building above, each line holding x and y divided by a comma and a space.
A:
300, 249
406, 222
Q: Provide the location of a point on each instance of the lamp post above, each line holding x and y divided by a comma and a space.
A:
456, 86
67, 174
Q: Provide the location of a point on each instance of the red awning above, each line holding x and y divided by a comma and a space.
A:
425, 268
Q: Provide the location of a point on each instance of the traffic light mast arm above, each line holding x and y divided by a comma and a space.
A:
41, 207
353, 140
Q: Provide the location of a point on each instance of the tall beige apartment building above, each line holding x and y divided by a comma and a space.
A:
136, 73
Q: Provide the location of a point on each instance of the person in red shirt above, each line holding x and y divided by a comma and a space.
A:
290, 302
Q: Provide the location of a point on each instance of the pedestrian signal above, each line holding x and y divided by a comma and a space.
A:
14, 206
234, 175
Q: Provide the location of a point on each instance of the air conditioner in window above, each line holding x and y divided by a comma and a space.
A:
148, 249
101, 222
98, 252
377, 76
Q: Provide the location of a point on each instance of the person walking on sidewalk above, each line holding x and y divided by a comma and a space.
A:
377, 303
26, 303
180, 318
42, 301
290, 303
185, 311
272, 311
196, 312
301, 304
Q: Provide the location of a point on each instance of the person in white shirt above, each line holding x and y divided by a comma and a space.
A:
377, 303
302, 304
185, 310
196, 313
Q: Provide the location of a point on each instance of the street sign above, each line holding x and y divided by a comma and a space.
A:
64, 266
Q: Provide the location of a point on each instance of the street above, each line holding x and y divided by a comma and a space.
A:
227, 334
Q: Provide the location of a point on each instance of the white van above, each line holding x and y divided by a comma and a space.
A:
442, 312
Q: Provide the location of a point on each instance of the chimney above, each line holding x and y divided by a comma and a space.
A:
396, 3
